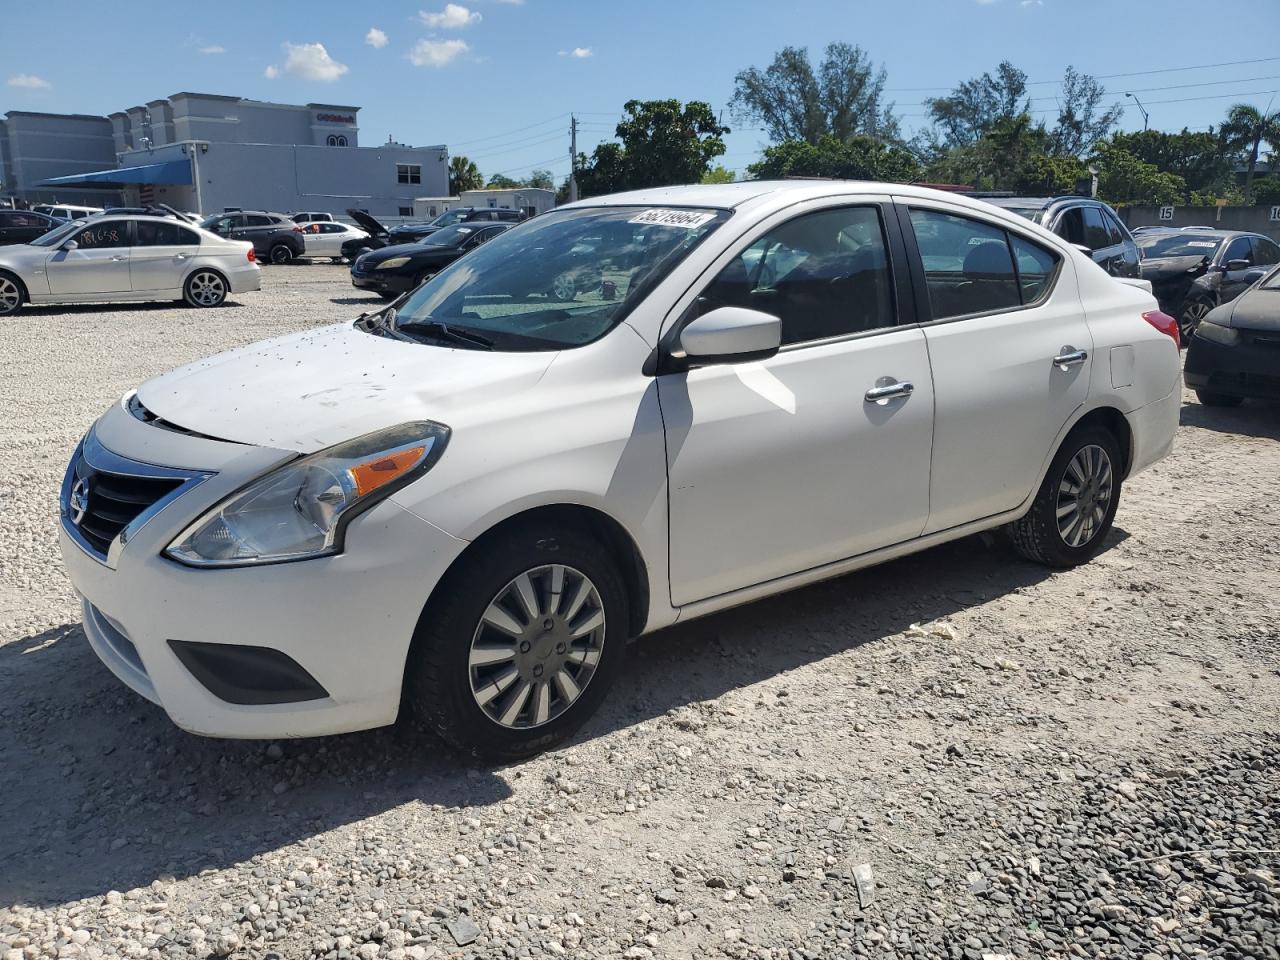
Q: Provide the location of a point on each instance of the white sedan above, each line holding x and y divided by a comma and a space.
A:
469, 502
110, 258
325, 238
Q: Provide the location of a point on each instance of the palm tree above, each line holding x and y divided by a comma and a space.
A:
463, 175
1244, 131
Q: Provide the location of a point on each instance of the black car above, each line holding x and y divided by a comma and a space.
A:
397, 269
1087, 223
414, 230
1192, 271
1235, 352
23, 226
274, 236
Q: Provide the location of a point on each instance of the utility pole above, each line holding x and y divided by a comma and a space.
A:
1146, 117
573, 158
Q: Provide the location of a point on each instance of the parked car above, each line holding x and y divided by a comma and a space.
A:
468, 501
326, 239
311, 217
412, 231
23, 226
1087, 223
1235, 352
274, 236
395, 270
126, 258
1193, 271
64, 211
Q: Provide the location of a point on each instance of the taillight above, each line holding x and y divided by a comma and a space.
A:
1165, 324
253, 257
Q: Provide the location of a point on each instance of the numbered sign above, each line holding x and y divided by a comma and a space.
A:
1166, 213
1275, 213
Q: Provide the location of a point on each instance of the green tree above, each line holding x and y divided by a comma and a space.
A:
501, 181
964, 116
1200, 159
463, 175
541, 179
1013, 154
1125, 180
1243, 133
663, 143
1082, 120
792, 101
857, 158
719, 174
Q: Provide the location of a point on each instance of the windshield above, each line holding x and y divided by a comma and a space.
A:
1272, 282
448, 237
448, 218
57, 234
561, 280
1154, 246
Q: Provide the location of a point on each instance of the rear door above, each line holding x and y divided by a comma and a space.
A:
1010, 353
161, 254
99, 264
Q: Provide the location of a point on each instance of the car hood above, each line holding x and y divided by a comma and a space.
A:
415, 250
21, 256
1256, 309
310, 390
1166, 268
369, 223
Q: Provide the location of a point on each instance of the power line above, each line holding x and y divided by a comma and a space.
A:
1108, 76
1118, 103
519, 145
542, 123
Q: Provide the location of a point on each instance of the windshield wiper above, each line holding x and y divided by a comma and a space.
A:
442, 331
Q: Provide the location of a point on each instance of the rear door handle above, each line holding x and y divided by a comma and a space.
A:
890, 391
118, 259
1070, 359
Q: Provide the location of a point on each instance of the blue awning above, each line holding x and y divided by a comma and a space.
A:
170, 172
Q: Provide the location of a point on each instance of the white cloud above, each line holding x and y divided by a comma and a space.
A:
29, 81
310, 61
436, 53
215, 49
375, 38
454, 16
580, 53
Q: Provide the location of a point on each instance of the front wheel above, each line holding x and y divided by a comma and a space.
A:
1193, 311
1211, 399
1076, 504
281, 253
12, 294
563, 288
519, 644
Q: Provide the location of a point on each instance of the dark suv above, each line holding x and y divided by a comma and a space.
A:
274, 236
1087, 223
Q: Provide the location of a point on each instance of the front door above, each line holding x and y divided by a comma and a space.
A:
161, 255
1235, 281
99, 264
1011, 354
786, 464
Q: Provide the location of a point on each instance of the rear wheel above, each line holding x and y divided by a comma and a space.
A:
1211, 399
12, 294
281, 253
520, 643
1076, 504
205, 288
1193, 311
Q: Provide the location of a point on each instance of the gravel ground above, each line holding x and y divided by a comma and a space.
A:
958, 754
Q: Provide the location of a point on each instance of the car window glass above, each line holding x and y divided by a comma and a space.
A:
154, 233
1071, 226
823, 274
1115, 233
1095, 230
1265, 252
1036, 267
1238, 249
257, 220
97, 236
967, 264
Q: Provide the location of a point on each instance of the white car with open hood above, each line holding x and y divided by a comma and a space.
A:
470, 501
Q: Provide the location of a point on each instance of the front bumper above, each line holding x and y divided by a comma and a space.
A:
391, 283
345, 620
1249, 368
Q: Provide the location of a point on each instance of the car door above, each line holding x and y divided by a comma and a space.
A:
786, 464
1122, 252
161, 254
1234, 280
1010, 353
98, 264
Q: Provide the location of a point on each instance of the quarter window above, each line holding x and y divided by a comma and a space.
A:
1036, 267
98, 236
823, 274
967, 264
409, 172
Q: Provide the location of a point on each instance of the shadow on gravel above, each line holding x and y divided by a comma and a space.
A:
71, 309
1254, 418
359, 301
101, 791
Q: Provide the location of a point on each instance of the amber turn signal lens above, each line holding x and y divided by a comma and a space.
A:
373, 474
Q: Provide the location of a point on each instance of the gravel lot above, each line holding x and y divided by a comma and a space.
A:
1079, 764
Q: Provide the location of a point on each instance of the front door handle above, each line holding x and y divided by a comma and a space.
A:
118, 259
890, 391
1071, 358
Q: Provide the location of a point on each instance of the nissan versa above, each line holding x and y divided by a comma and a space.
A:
468, 502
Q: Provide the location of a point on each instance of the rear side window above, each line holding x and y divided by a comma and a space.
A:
257, 220
967, 264
1115, 232
1265, 252
1071, 226
1096, 236
824, 274
151, 233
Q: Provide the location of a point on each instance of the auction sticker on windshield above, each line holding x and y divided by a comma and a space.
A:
690, 219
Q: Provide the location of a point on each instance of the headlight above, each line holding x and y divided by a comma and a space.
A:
1216, 333
300, 510
392, 263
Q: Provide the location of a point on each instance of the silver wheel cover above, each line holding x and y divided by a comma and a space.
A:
1084, 495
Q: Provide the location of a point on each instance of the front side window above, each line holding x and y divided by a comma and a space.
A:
1115, 232
408, 173
823, 274
152, 233
560, 281
1265, 252
221, 223
1096, 236
967, 264
1070, 226
98, 236
1238, 250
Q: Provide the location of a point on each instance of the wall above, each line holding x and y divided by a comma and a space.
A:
232, 120
43, 145
1253, 219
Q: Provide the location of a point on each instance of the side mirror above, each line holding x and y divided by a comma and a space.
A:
1238, 264
731, 335
70, 245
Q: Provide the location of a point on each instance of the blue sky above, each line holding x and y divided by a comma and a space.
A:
496, 79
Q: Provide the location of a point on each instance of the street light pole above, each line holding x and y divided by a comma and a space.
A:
1146, 117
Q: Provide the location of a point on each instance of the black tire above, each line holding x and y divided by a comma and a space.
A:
1189, 317
13, 294
1037, 536
438, 676
205, 288
281, 254
1211, 399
